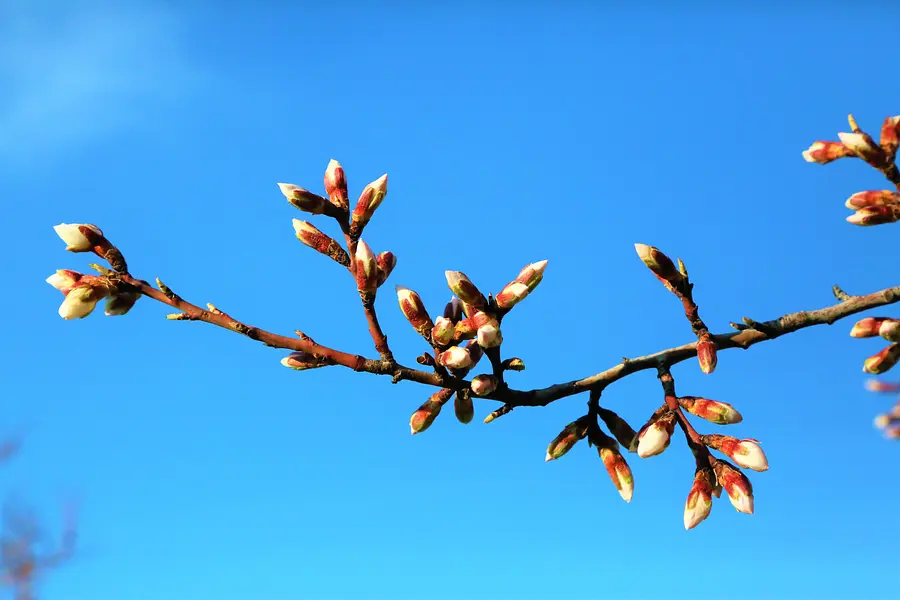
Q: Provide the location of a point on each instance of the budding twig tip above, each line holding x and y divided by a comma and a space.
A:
853, 126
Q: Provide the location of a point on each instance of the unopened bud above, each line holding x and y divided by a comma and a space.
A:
516, 290
79, 237
369, 200
883, 361
890, 132
464, 407
475, 351
442, 332
64, 280
413, 309
747, 453
706, 354
875, 385
567, 438
336, 185
430, 409
318, 241
386, 262
366, 268
464, 289
863, 146
873, 198
489, 336
119, 303
736, 485
456, 358
453, 310
618, 469
656, 435
890, 330
302, 361
699, 500
825, 152
660, 264
714, 411
513, 364
875, 215
620, 429
303, 199
882, 421
482, 385
867, 327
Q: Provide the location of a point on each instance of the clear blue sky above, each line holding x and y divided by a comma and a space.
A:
512, 132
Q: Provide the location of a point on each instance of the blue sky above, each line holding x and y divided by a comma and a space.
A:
511, 133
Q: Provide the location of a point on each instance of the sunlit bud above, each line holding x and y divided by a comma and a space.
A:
475, 351
497, 413
825, 152
301, 361
882, 421
620, 429
468, 310
489, 336
655, 436
465, 329
863, 146
64, 280
883, 361
876, 385
453, 310
890, 132
512, 294
425, 414
464, 407
386, 262
120, 303
706, 354
336, 184
567, 438
873, 198
464, 289
867, 327
736, 485
875, 215
699, 500
303, 199
660, 264
890, 330
82, 299
369, 200
414, 310
619, 471
746, 453
366, 268
79, 237
482, 385
456, 358
711, 410
442, 332
318, 241
514, 364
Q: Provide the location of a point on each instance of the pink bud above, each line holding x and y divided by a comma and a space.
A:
863, 146
386, 263
875, 215
516, 290
79, 237
825, 152
618, 469
302, 361
464, 289
303, 199
736, 485
567, 439
366, 268
489, 336
81, 299
661, 266
336, 184
369, 200
867, 327
482, 385
873, 198
430, 409
308, 234
747, 453
656, 435
414, 310
442, 332
64, 280
883, 361
455, 358
699, 500
706, 354
890, 132
875, 385
711, 410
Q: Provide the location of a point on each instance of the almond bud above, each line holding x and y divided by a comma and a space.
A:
567, 438
64, 280
714, 411
863, 146
464, 407
119, 303
386, 262
746, 453
867, 327
516, 290
425, 414
489, 336
875, 215
336, 185
456, 358
81, 299
413, 309
883, 361
699, 500
656, 435
706, 354
620, 429
464, 289
736, 485
825, 152
303, 199
79, 237
318, 241
302, 361
369, 200
482, 385
872, 198
890, 330
366, 268
661, 265
442, 332
890, 132
453, 310
619, 471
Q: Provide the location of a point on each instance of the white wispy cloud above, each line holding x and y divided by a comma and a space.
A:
72, 73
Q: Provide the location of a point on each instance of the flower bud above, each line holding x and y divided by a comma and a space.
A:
875, 215
475, 351
318, 241
825, 152
867, 327
618, 469
872, 198
699, 500
567, 438
369, 200
882, 421
656, 435
875, 385
79, 237
302, 361
464, 407
713, 411
386, 262
489, 336
336, 185
890, 132
81, 300
863, 146
442, 332
366, 268
453, 310
661, 265
513, 364
482, 385
303, 199
119, 303
890, 330
464, 289
413, 309
620, 429
706, 354
456, 358
736, 485
64, 280
883, 361
516, 290
430, 409
746, 453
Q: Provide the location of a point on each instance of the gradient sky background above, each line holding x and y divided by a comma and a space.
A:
512, 132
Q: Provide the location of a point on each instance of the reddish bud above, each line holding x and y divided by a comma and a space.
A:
656, 435
825, 152
875, 385
706, 354
369, 200
867, 327
863, 146
453, 310
413, 309
699, 500
336, 185
883, 361
464, 289
890, 132
318, 241
714, 411
426, 414
456, 358
303, 199
464, 407
567, 438
302, 361
660, 264
516, 290
386, 262
442, 332
872, 198
482, 385
618, 469
736, 485
747, 453
875, 215
366, 268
